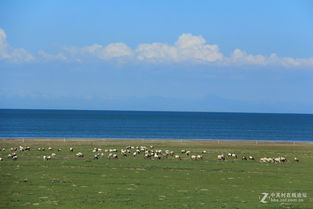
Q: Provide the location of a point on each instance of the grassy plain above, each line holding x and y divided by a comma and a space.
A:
134, 182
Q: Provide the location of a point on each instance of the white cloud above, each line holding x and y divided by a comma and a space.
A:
188, 48
12, 54
52, 57
239, 57
111, 51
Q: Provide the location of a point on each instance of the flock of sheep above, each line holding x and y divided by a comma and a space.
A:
146, 152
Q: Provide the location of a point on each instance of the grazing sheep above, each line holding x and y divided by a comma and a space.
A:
134, 154
204, 152
244, 158
96, 157
59, 150
46, 157
177, 157
296, 159
156, 156
199, 157
112, 156
1, 159
3, 149
21, 148
71, 149
234, 155
229, 154
53, 155
221, 157
251, 157
193, 157
266, 160
183, 151
9, 156
188, 153
27, 148
14, 157
50, 148
79, 154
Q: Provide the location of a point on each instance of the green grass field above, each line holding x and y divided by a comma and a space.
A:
134, 182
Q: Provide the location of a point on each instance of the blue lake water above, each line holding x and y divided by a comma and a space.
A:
155, 125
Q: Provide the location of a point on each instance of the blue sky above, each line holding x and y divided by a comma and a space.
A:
239, 56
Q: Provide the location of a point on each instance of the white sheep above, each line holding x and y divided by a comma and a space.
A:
79, 154
221, 157
177, 157
199, 157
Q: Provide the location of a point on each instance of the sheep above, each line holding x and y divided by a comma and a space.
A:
9, 156
234, 155
13, 149
112, 150
296, 159
251, 157
177, 157
50, 148
96, 157
188, 153
112, 156
134, 154
14, 157
59, 150
221, 157
266, 160
1, 159
183, 151
199, 157
156, 156
79, 154
244, 158
53, 155
204, 152
71, 149
3, 149
193, 157
27, 148
21, 148
46, 157
229, 154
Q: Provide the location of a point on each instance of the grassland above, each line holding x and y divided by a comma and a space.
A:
134, 182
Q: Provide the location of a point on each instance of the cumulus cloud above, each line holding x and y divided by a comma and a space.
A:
12, 54
239, 57
188, 48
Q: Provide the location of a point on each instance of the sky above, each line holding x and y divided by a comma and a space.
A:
213, 56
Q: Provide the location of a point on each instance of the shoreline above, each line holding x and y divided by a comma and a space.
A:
217, 142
